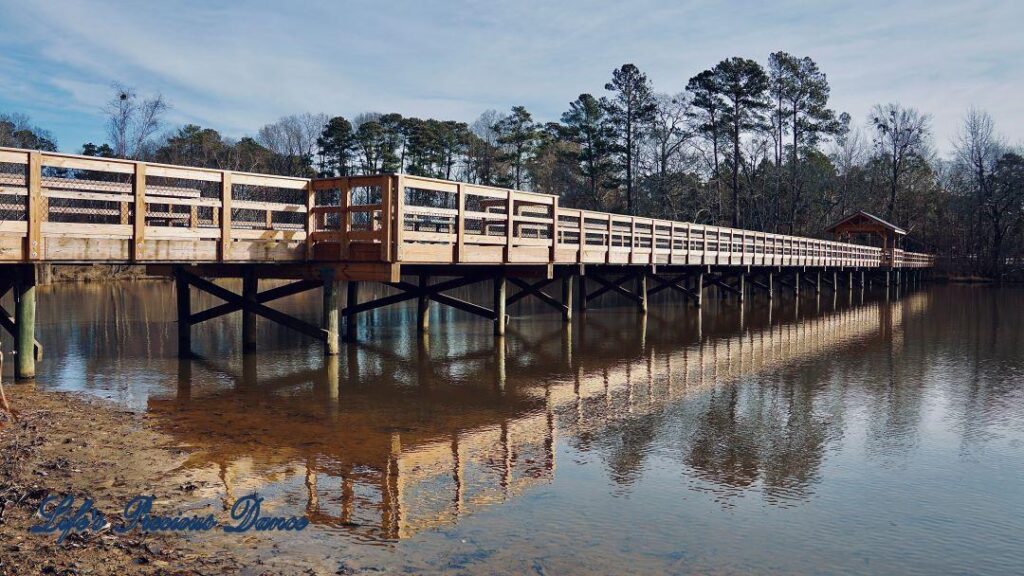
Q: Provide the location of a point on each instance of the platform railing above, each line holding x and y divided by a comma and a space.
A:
425, 220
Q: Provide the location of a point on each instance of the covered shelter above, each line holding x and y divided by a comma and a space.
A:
864, 228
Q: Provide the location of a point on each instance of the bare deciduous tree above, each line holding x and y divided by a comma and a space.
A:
900, 134
133, 121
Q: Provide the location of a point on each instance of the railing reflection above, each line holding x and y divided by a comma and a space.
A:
393, 439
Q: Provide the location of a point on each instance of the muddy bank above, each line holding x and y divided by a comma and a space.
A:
64, 444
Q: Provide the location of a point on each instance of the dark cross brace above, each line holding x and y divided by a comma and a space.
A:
262, 298
7, 319
253, 306
534, 289
613, 286
718, 281
757, 284
813, 281
433, 291
436, 296
675, 284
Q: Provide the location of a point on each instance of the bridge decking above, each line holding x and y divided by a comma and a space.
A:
197, 223
76, 209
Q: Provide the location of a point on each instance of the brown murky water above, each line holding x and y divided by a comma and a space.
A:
852, 434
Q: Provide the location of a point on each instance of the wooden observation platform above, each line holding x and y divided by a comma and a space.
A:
197, 223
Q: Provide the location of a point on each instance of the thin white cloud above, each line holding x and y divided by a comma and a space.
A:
236, 68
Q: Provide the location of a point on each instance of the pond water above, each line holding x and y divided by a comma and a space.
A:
849, 434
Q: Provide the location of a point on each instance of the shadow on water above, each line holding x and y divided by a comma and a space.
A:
399, 434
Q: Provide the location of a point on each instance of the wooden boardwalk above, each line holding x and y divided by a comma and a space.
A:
66, 208
198, 223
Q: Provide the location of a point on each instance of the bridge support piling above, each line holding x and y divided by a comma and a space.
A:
250, 287
567, 298
698, 287
796, 285
183, 295
423, 306
741, 285
641, 290
331, 291
351, 300
499, 305
25, 323
583, 293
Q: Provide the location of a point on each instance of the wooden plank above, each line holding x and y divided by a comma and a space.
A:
85, 163
14, 156
269, 206
268, 181
183, 173
225, 216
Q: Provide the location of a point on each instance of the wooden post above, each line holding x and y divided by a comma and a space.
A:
567, 297
817, 283
509, 232
796, 284
399, 220
742, 287
138, 212
460, 224
499, 305
25, 323
344, 218
608, 240
771, 287
184, 298
699, 288
310, 219
35, 208
329, 319
583, 293
641, 289
224, 253
554, 230
250, 287
351, 299
423, 306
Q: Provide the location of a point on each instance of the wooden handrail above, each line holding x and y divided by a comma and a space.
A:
465, 223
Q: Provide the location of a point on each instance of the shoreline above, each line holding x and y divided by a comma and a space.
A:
64, 443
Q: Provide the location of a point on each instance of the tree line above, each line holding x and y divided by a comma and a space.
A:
742, 144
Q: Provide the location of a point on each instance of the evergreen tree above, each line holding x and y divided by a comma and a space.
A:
743, 85
630, 110
586, 124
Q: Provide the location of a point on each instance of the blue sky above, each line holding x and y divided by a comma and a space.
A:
236, 68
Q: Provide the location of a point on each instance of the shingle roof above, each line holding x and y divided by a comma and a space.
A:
860, 213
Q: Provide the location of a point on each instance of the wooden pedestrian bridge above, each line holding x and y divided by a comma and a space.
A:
405, 231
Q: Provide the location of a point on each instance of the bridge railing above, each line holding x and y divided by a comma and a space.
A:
79, 208
62, 207
404, 218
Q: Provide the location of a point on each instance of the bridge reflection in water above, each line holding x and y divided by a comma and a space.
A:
390, 439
